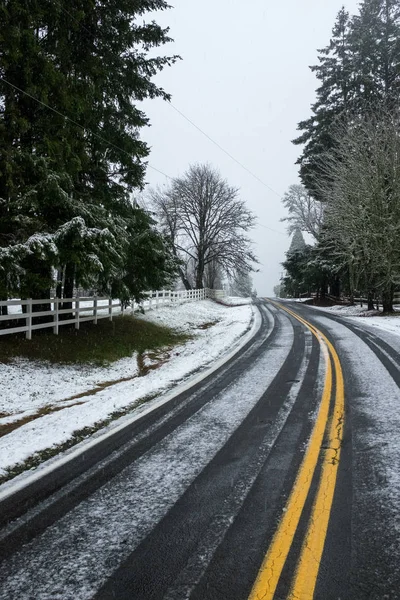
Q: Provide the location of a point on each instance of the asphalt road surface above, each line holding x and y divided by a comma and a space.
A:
268, 480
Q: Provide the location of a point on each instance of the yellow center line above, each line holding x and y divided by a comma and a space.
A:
311, 553
271, 568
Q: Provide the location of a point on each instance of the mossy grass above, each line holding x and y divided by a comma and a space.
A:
99, 344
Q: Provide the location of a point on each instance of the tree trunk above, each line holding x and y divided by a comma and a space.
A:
3, 309
59, 283
185, 280
335, 287
68, 289
323, 289
42, 270
199, 276
370, 297
387, 299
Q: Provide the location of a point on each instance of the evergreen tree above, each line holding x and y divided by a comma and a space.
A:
67, 174
334, 100
358, 71
297, 244
375, 39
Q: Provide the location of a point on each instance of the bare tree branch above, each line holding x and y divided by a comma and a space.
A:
206, 221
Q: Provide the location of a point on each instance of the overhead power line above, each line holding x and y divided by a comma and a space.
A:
180, 113
186, 118
225, 151
83, 127
271, 229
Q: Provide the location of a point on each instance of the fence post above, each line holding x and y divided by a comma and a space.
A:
150, 299
122, 307
157, 293
110, 309
95, 309
29, 318
76, 313
55, 316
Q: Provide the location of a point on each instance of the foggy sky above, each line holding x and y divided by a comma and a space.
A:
244, 79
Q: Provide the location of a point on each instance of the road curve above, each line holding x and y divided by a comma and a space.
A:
259, 483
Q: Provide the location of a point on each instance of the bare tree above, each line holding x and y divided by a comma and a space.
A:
305, 213
241, 285
213, 276
207, 223
363, 202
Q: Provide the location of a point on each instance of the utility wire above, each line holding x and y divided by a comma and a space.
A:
183, 116
225, 151
270, 229
111, 143
78, 124
99, 136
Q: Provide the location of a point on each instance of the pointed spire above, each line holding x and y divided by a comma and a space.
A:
297, 244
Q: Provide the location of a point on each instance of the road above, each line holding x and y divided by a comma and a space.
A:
273, 478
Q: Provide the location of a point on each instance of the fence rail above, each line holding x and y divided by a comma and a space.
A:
67, 311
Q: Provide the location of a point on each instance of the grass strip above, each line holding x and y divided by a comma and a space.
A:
98, 345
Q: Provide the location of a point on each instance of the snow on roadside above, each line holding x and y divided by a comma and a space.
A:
31, 386
372, 317
390, 324
345, 310
235, 300
27, 386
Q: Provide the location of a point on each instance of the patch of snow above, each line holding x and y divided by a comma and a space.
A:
345, 310
31, 386
390, 324
373, 318
236, 300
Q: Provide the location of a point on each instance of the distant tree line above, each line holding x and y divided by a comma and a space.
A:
349, 200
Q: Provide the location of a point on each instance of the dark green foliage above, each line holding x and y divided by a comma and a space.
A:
149, 261
312, 270
357, 71
351, 139
67, 174
297, 244
334, 99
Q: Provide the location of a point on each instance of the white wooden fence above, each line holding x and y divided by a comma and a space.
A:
84, 309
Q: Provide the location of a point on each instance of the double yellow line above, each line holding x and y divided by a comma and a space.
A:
305, 578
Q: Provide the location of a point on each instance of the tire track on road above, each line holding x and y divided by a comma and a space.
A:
106, 528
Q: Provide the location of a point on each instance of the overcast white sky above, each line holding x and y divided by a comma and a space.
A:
244, 80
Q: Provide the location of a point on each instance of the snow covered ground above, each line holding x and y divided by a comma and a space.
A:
235, 301
29, 387
372, 318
